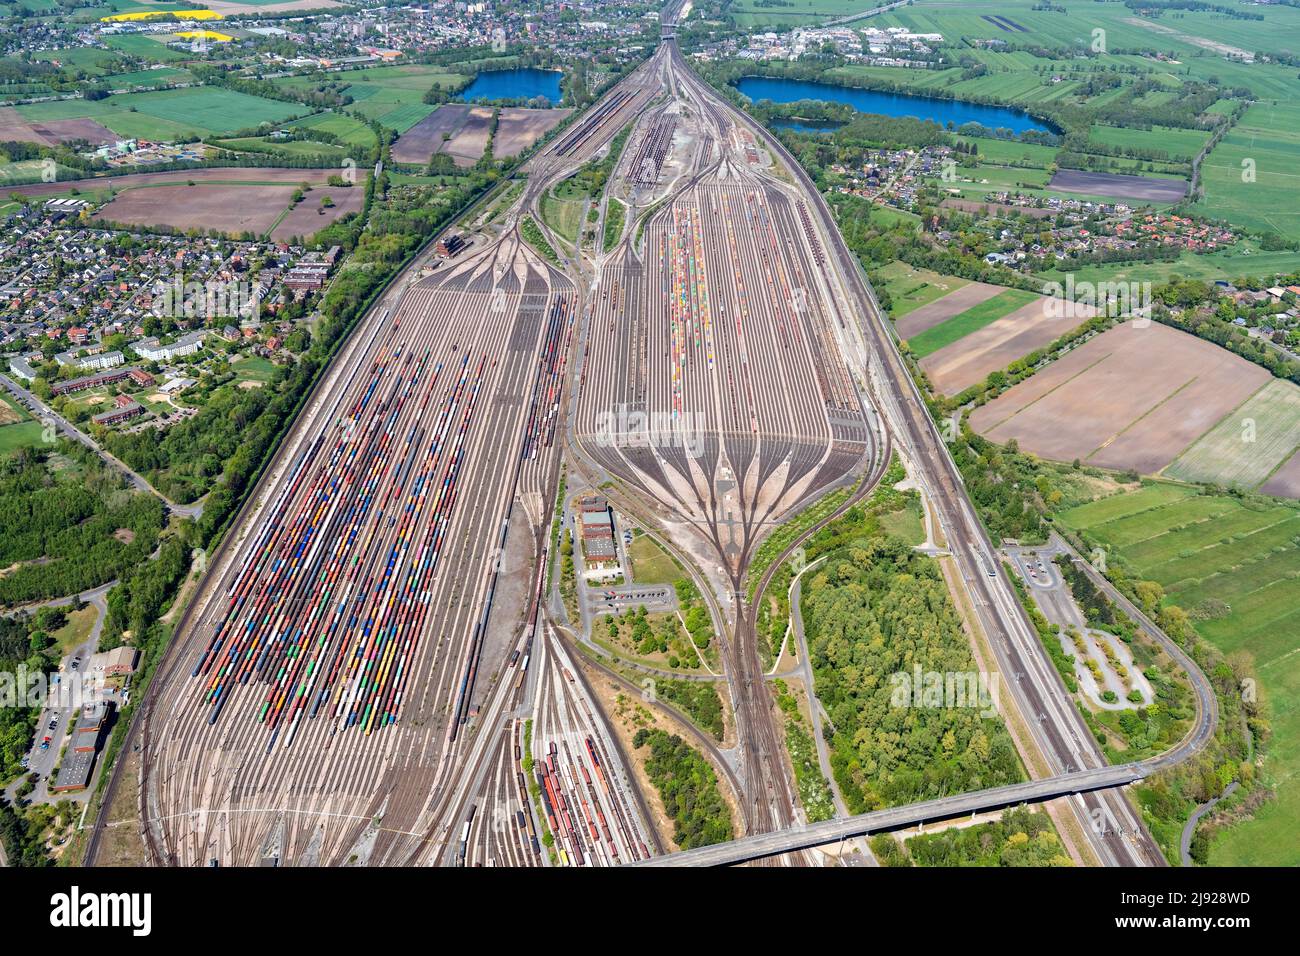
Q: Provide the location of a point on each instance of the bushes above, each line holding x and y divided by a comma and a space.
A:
698, 699
1022, 837
688, 788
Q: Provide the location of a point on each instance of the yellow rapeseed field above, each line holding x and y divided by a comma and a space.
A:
150, 14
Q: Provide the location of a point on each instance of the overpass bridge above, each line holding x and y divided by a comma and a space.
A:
896, 818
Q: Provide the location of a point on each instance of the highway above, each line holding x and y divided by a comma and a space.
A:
1037, 692
351, 683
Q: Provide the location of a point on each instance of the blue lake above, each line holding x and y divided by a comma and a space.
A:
889, 104
514, 84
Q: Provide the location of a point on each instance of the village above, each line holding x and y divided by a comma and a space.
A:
111, 327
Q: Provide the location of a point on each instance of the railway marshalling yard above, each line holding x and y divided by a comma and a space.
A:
372, 672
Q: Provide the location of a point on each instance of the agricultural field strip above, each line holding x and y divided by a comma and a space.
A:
973, 319
1223, 455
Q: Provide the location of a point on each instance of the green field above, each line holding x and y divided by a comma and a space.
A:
169, 114
651, 564
795, 12
144, 45
253, 368
1114, 507
907, 523
615, 216
973, 319
1234, 565
1267, 142
20, 435
349, 130
215, 109
1244, 258
29, 171
392, 95
159, 76
1249, 444
910, 288
1178, 143
87, 59
1010, 153
290, 147
564, 216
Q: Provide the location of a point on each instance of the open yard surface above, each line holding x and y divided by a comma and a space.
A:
425, 138
1285, 482
16, 128
987, 342
1234, 565
518, 129
229, 209
461, 131
309, 216
234, 175
1134, 397
1244, 449
233, 200
469, 141
1148, 189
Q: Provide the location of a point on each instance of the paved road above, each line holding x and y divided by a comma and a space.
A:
1189, 829
64, 705
1054, 722
66, 428
832, 831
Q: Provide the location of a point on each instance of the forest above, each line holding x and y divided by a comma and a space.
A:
877, 608
68, 523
